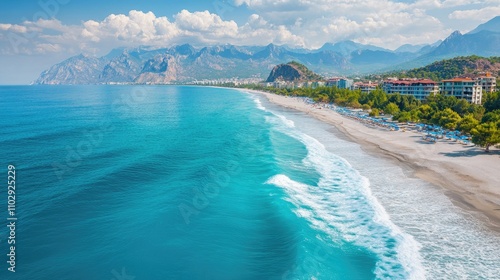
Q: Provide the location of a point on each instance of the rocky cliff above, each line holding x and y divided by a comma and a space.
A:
292, 72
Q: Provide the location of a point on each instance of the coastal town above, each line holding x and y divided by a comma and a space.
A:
459, 108
468, 87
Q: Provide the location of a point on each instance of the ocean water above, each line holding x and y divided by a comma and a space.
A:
178, 182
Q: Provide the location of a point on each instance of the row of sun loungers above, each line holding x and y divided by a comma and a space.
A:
432, 133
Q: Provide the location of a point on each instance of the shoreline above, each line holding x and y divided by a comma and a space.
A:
466, 174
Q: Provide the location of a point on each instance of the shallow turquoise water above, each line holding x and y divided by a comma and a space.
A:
177, 182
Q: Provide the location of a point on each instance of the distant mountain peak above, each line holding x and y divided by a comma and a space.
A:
115, 53
185, 49
82, 55
340, 43
346, 47
493, 25
455, 33
452, 39
273, 48
410, 48
271, 51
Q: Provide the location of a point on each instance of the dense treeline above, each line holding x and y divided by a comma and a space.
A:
481, 121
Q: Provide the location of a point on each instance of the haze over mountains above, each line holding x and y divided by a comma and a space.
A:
186, 63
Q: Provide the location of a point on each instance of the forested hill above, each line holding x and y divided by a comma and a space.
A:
449, 68
293, 71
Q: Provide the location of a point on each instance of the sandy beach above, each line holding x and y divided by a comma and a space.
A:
469, 176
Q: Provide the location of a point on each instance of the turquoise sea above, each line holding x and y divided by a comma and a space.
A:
180, 182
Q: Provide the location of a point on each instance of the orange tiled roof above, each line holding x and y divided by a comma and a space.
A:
458, 80
411, 82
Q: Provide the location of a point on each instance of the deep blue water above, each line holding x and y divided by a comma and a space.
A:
177, 182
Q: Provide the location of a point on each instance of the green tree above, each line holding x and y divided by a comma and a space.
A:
415, 115
446, 118
403, 117
391, 109
364, 97
395, 98
354, 104
378, 97
492, 101
486, 135
461, 107
467, 123
374, 112
322, 98
477, 110
425, 112
493, 116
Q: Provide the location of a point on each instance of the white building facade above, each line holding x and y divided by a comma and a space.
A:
340, 83
419, 88
464, 88
488, 83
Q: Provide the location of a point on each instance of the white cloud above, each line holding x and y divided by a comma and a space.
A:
136, 27
307, 23
52, 24
13, 28
476, 14
387, 22
47, 48
5, 26
256, 21
139, 28
455, 3
204, 21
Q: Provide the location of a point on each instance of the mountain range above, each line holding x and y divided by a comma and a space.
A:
185, 63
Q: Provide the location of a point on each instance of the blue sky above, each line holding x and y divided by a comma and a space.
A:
75, 11
36, 34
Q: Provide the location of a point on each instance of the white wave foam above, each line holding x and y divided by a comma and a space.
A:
455, 244
279, 120
343, 206
287, 122
282, 119
258, 103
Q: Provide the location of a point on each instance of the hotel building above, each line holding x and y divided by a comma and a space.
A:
339, 83
420, 89
365, 87
488, 83
464, 88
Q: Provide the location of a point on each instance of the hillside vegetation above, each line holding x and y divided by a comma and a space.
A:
308, 74
449, 68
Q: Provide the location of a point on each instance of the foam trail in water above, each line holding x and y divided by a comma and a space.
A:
258, 103
287, 122
342, 205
